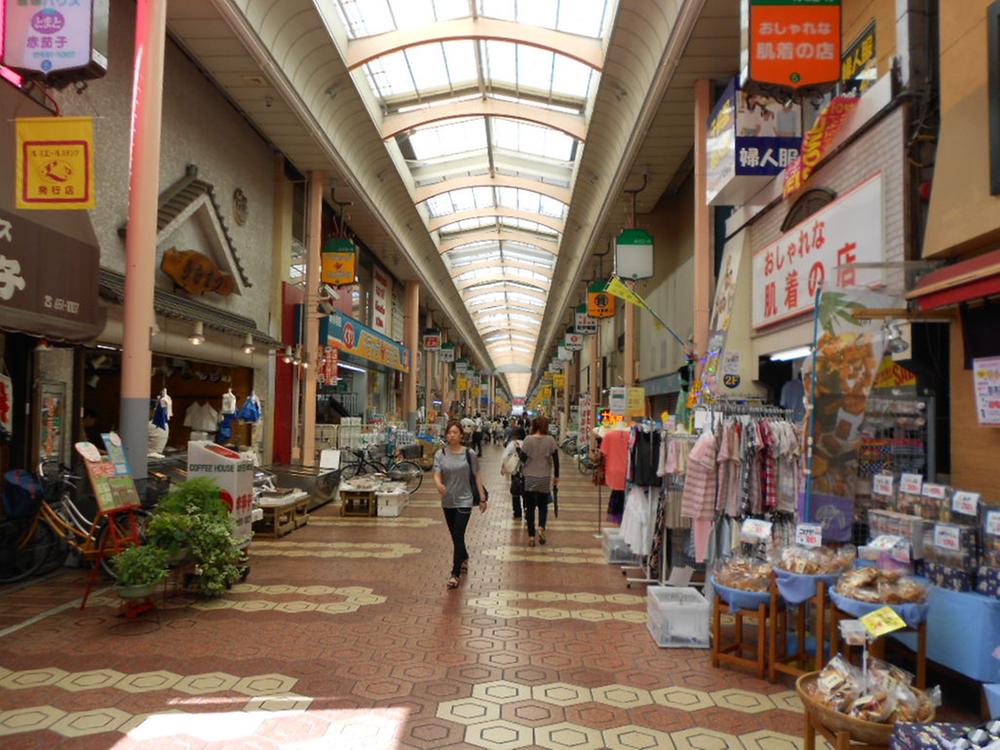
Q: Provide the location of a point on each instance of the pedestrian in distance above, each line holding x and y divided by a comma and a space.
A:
541, 474
477, 434
457, 478
512, 467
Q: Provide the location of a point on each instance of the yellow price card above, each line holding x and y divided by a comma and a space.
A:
882, 621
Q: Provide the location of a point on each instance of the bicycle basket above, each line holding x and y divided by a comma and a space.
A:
22, 494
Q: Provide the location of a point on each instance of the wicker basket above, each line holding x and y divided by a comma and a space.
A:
859, 730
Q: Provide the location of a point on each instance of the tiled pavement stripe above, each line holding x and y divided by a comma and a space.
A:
263, 605
144, 682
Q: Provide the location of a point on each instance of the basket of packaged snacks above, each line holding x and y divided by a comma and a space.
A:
864, 590
742, 583
798, 570
866, 707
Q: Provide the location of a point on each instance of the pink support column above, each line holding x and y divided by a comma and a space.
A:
311, 327
702, 219
411, 340
140, 243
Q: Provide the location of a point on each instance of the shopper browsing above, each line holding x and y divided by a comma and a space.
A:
477, 434
512, 467
541, 473
456, 475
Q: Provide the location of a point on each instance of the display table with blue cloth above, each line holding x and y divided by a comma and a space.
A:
992, 695
800, 591
750, 605
964, 629
915, 616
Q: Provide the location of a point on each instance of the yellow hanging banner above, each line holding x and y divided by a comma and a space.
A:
559, 381
55, 163
461, 384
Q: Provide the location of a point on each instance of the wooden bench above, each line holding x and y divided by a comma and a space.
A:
283, 514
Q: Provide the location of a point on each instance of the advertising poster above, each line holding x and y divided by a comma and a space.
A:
111, 490
380, 302
986, 375
55, 163
794, 44
47, 37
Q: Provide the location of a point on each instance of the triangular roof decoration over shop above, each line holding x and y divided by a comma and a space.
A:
190, 197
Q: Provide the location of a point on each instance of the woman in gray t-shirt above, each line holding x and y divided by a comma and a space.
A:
454, 467
541, 472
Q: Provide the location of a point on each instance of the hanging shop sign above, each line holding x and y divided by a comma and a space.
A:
559, 381
196, 273
583, 323
600, 304
380, 301
573, 342
791, 45
462, 366
461, 383
564, 354
787, 273
859, 64
634, 254
618, 401
892, 375
586, 415
751, 138
353, 337
338, 261
55, 163
635, 399
35, 300
986, 375
326, 366
432, 341
818, 142
6, 405
43, 39
557, 365
447, 352
50, 420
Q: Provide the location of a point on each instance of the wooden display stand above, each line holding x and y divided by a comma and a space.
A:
358, 503
779, 660
283, 515
732, 653
877, 648
838, 740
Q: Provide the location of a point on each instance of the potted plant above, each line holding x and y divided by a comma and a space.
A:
216, 554
171, 532
139, 571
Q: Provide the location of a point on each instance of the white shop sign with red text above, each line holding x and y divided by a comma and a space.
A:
380, 302
787, 273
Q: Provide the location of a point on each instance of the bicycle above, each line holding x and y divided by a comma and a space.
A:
585, 462
40, 541
405, 471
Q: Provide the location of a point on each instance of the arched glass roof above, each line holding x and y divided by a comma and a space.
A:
488, 92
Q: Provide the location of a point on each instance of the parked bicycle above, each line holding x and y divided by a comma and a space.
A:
37, 540
585, 461
569, 445
362, 463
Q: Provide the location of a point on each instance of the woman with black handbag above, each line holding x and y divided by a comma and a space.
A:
456, 476
511, 467
541, 474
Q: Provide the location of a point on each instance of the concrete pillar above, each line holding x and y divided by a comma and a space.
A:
430, 358
310, 347
702, 220
595, 379
629, 354
411, 340
281, 262
140, 243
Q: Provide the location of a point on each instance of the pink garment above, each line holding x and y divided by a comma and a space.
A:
614, 446
698, 500
701, 528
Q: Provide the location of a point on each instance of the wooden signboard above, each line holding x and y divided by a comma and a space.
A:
196, 273
112, 491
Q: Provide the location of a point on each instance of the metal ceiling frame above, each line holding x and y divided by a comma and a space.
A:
439, 223
457, 241
426, 192
574, 126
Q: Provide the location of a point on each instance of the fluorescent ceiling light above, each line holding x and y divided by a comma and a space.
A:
351, 367
797, 352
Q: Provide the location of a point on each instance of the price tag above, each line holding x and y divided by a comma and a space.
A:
993, 523
966, 503
911, 483
947, 537
882, 484
882, 621
809, 534
756, 528
936, 491
885, 541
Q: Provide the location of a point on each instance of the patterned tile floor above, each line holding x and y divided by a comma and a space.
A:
344, 636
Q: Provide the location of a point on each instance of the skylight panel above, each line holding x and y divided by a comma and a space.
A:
528, 226
428, 66
365, 17
551, 207
532, 139
390, 76
500, 62
441, 205
461, 59
534, 66
538, 12
456, 137
571, 77
505, 10
583, 17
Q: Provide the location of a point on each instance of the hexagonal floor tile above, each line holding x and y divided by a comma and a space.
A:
433, 733
501, 691
742, 700
289, 702
561, 694
32, 678
699, 738
31, 719
265, 684
768, 739
622, 696
469, 711
498, 735
146, 682
82, 723
92, 680
788, 700
685, 699
206, 683
567, 736
633, 737
532, 713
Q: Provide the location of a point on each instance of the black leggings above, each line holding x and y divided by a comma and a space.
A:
534, 500
458, 521
515, 501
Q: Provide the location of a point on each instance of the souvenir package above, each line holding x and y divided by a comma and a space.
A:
935, 502
991, 537
947, 576
744, 574
936, 736
952, 545
880, 587
988, 581
886, 696
817, 561
890, 523
964, 508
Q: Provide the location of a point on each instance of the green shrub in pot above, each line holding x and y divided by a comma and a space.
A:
171, 532
140, 566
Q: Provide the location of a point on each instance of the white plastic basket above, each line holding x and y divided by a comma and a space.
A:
677, 617
391, 504
615, 550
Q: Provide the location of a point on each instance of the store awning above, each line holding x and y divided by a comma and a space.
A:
967, 280
48, 282
175, 306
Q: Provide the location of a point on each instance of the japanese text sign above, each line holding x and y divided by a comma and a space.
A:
756, 529
573, 342
564, 354
993, 523
809, 534
911, 484
794, 43
447, 353
618, 401
339, 259
47, 39
858, 66
947, 537
882, 485
380, 301
818, 142
432, 342
55, 163
966, 503
787, 273
882, 622
352, 337
600, 304
986, 375
584, 324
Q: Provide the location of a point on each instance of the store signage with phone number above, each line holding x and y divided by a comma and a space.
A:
353, 337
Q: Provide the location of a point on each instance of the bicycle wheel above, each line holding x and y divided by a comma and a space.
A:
350, 470
20, 557
408, 473
119, 527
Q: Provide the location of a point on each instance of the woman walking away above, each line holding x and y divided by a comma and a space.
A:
456, 475
542, 463
512, 467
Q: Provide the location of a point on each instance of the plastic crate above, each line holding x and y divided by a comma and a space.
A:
615, 550
677, 617
391, 504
